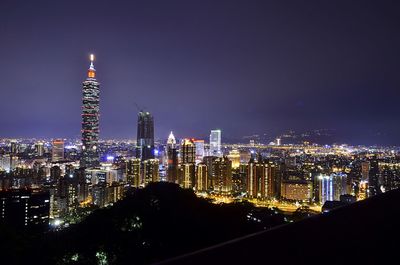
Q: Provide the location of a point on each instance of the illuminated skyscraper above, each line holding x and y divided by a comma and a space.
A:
57, 152
215, 143
150, 171
133, 172
90, 118
172, 159
171, 142
188, 152
187, 161
39, 148
234, 156
201, 177
332, 186
145, 136
222, 175
199, 150
262, 179
374, 178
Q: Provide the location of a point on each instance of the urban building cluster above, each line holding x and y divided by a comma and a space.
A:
59, 181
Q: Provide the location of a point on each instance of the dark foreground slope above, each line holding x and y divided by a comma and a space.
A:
367, 232
151, 224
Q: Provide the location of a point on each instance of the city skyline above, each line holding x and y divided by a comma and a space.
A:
199, 132
195, 67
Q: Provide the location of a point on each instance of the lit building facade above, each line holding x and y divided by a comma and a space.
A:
188, 152
145, 136
150, 171
215, 143
261, 179
39, 148
201, 177
90, 119
172, 159
133, 172
222, 175
332, 186
296, 190
234, 156
57, 152
199, 144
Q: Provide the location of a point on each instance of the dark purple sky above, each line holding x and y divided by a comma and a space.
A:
243, 66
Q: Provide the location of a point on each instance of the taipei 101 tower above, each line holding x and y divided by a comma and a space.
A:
90, 118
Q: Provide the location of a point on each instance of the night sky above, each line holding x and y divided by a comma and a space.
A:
242, 66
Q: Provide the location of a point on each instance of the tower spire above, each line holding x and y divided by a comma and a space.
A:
91, 71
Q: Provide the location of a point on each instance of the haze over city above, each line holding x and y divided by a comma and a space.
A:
246, 68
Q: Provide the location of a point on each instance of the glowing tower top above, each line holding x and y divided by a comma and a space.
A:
91, 70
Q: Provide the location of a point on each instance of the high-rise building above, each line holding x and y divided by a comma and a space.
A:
187, 175
332, 186
57, 152
172, 159
262, 179
215, 143
208, 161
133, 172
222, 175
150, 171
199, 150
145, 136
374, 178
188, 152
187, 163
365, 165
14, 148
39, 149
8, 162
90, 118
256, 179
234, 156
201, 178
390, 175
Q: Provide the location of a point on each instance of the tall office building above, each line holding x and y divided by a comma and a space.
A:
90, 118
57, 152
374, 178
222, 175
188, 152
234, 156
39, 149
150, 171
332, 186
199, 144
172, 159
208, 161
262, 179
145, 136
187, 164
365, 166
201, 177
14, 147
133, 172
187, 175
171, 142
215, 143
